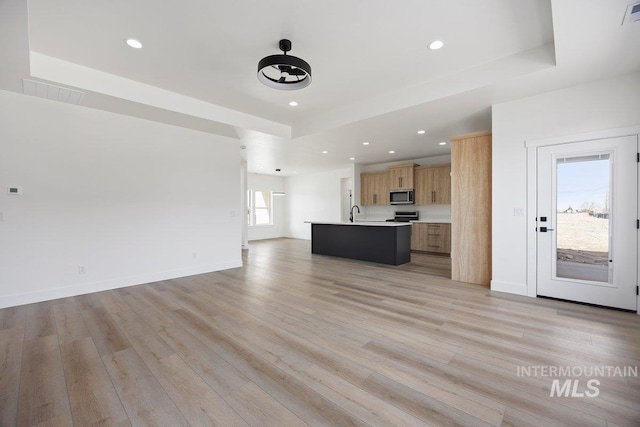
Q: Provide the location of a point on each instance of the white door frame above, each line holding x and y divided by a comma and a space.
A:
532, 191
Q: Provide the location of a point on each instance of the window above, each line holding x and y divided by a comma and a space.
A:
259, 209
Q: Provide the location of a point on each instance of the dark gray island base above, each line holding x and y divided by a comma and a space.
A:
386, 243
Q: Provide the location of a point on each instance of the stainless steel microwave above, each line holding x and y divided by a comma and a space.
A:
401, 197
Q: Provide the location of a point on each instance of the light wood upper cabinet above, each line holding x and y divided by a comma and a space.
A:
374, 188
442, 185
401, 177
471, 208
433, 185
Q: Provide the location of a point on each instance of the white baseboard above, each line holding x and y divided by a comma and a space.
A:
105, 285
509, 288
265, 238
298, 236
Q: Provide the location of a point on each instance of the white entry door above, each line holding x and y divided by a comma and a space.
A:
587, 210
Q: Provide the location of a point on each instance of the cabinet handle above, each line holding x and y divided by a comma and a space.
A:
375, 198
400, 179
433, 196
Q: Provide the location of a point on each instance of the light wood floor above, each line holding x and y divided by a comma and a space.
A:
299, 339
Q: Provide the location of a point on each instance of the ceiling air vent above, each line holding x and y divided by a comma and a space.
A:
49, 91
632, 14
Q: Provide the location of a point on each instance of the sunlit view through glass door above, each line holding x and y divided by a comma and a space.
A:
586, 212
583, 218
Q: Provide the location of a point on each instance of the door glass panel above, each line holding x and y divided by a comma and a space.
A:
583, 218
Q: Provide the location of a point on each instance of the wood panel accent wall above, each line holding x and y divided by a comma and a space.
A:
471, 208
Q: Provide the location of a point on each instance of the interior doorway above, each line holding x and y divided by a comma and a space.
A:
346, 198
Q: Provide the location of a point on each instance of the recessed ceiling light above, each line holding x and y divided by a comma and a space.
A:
293, 103
352, 158
133, 43
392, 152
443, 143
365, 143
421, 132
436, 44
324, 151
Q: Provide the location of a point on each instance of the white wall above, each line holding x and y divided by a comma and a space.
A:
269, 183
599, 105
425, 212
313, 197
130, 200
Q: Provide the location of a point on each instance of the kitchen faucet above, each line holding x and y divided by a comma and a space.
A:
351, 212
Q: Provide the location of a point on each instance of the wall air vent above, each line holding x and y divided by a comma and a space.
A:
49, 91
632, 14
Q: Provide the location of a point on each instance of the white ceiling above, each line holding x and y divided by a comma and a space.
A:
374, 79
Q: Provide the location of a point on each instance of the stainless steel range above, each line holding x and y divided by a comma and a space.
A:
405, 216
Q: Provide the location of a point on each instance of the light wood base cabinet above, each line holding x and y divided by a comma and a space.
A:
431, 237
471, 208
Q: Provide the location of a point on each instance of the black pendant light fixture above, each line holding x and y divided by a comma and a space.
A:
284, 71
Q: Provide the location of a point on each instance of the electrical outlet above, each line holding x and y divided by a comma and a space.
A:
81, 269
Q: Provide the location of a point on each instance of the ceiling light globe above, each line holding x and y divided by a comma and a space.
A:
436, 44
136, 44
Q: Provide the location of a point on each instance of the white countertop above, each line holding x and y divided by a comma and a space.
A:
420, 221
369, 223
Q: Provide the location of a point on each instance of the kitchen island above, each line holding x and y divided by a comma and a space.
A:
382, 242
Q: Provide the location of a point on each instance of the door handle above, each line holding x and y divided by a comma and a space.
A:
545, 229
